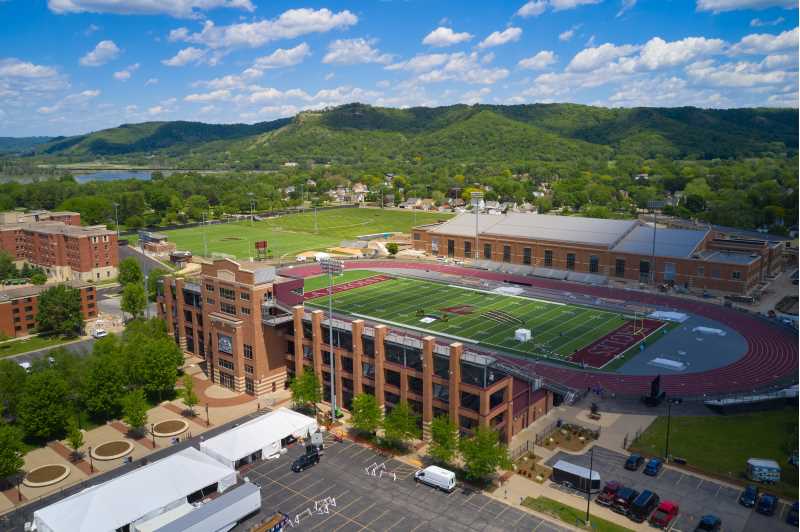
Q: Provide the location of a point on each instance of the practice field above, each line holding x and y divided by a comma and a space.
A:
294, 233
561, 332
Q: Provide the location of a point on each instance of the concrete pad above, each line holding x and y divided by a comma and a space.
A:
106, 433
44, 456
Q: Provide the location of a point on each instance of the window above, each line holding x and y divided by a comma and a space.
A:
210, 301
227, 293
736, 275
248, 351
715, 273
506, 253
644, 270
245, 296
594, 264
526, 256
187, 315
210, 287
701, 271
619, 268
227, 364
249, 387
451, 247
487, 251
245, 311
249, 369
417, 236
467, 248
227, 308
548, 257
571, 261
28, 309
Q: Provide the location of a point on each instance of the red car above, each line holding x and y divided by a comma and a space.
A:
666, 512
606, 497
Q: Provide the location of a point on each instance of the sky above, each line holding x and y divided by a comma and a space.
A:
74, 66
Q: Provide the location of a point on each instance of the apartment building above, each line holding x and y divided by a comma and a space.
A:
19, 307
58, 243
252, 330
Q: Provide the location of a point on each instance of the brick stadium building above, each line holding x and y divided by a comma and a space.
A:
575, 248
58, 243
254, 333
19, 306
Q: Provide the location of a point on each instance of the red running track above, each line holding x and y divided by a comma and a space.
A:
771, 350
603, 350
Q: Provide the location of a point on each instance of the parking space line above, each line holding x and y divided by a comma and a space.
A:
381, 515
365, 509
719, 487
402, 518
699, 484
309, 499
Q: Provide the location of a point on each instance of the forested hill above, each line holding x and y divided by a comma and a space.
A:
357, 134
21, 144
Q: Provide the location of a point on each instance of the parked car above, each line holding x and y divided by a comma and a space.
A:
643, 506
634, 462
749, 496
25, 365
623, 500
792, 515
653, 467
305, 461
99, 333
606, 497
437, 477
767, 504
666, 512
709, 523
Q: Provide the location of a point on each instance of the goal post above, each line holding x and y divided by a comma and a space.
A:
638, 324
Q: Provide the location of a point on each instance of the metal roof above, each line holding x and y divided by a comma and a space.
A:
728, 257
669, 242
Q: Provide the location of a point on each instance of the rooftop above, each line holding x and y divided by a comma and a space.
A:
728, 257
679, 243
60, 228
10, 294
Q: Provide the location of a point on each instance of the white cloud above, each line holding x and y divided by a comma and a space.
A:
499, 38
665, 92
779, 60
125, 75
185, 56
757, 22
627, 5
71, 101
742, 74
540, 61
207, 109
420, 63
442, 36
658, 53
175, 8
354, 51
289, 25
104, 52
12, 67
91, 28
151, 81
283, 57
718, 6
565, 36
329, 76
463, 67
215, 96
765, 43
476, 96
593, 58
157, 110
534, 8
561, 5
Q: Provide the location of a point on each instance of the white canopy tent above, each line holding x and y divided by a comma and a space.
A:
136, 496
263, 433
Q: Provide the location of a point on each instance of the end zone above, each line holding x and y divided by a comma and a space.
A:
603, 350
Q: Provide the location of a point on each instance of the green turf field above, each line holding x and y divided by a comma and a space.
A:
558, 330
294, 233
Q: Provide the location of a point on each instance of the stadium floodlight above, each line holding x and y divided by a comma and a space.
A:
331, 267
654, 206
476, 198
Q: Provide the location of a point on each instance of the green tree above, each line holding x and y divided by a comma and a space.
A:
483, 453
106, 379
11, 450
7, 267
12, 385
367, 415
60, 311
129, 272
188, 394
400, 425
134, 410
152, 282
306, 389
152, 357
392, 248
43, 408
74, 438
444, 439
134, 300
38, 278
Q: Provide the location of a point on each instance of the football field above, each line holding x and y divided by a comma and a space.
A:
478, 316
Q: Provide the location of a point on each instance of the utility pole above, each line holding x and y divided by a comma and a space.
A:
316, 228
670, 402
116, 219
252, 207
205, 239
476, 198
331, 267
589, 487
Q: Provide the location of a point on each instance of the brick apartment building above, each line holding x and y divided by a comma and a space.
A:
19, 307
251, 328
58, 243
571, 247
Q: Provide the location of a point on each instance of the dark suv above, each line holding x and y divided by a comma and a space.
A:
749, 496
767, 504
305, 461
624, 500
634, 462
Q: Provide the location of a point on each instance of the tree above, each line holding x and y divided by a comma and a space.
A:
43, 408
12, 384
38, 278
11, 450
367, 415
75, 438
152, 282
483, 453
134, 410
188, 394
106, 379
151, 356
306, 389
129, 272
392, 248
7, 267
400, 425
444, 439
134, 300
60, 311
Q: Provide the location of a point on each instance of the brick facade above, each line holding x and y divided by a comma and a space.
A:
19, 307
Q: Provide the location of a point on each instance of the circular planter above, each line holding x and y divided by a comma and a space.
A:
46, 475
111, 450
170, 427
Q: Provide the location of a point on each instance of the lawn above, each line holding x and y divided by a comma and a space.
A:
294, 233
721, 445
570, 515
15, 347
479, 316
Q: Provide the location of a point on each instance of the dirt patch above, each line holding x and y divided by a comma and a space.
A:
568, 437
46, 474
170, 427
228, 238
112, 449
528, 467
461, 310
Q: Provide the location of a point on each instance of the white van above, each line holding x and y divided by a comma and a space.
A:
437, 477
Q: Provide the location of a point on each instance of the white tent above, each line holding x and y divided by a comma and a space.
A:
139, 495
263, 433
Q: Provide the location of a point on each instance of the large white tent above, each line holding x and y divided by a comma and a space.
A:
263, 433
136, 496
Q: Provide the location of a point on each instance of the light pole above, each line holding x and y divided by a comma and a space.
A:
205, 240
91, 463
653, 205
252, 207
331, 267
116, 219
153, 434
476, 198
208, 421
670, 402
589, 487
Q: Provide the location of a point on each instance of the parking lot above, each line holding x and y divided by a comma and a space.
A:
695, 496
355, 488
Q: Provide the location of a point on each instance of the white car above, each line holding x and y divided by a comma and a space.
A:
99, 333
25, 365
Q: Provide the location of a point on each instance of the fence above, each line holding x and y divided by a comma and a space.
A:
541, 437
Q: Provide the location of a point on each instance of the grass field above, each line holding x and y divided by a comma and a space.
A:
294, 233
487, 318
571, 515
721, 445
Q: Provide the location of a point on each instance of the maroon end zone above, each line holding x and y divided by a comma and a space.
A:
602, 351
319, 292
